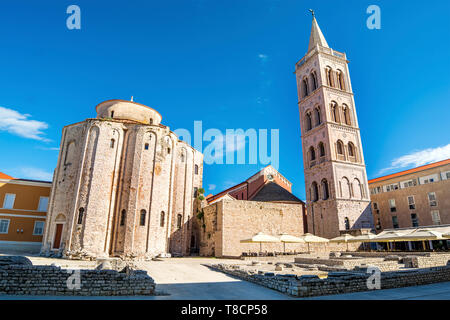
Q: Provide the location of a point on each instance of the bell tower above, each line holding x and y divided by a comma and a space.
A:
337, 191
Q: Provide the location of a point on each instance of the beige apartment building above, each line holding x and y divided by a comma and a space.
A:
412, 198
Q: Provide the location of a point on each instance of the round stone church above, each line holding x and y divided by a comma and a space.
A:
124, 186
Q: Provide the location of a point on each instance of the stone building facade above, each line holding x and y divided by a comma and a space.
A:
412, 198
335, 174
124, 186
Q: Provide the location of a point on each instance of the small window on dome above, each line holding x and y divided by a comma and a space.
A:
112, 114
151, 121
146, 146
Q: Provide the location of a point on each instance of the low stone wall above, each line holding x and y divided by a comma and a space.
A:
51, 280
337, 282
429, 261
351, 263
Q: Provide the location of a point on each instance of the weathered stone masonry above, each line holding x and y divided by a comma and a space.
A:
51, 280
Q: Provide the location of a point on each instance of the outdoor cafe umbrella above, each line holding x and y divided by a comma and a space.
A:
345, 238
422, 235
364, 238
390, 236
310, 238
261, 238
287, 238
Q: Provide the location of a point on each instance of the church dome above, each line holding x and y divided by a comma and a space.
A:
127, 110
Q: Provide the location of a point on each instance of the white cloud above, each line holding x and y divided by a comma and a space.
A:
212, 187
17, 123
419, 158
263, 56
35, 174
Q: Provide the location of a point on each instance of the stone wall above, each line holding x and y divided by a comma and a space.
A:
431, 260
51, 280
337, 282
229, 221
350, 264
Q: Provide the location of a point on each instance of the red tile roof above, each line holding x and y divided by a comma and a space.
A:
402, 173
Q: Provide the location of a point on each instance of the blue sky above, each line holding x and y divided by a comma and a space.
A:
227, 63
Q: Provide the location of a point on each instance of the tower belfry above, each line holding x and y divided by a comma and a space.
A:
335, 175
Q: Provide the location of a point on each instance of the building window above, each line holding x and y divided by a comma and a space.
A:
341, 82
196, 169
340, 147
161, 219
8, 202
321, 149
314, 192
392, 205
38, 228
312, 154
305, 87
395, 222
317, 116
146, 146
142, 217
414, 220
378, 226
112, 114
351, 150
123, 216
411, 203
151, 121
329, 75
347, 224
432, 199
80, 215
313, 81
112, 143
346, 115
168, 150
308, 121
375, 206
436, 217
43, 204
325, 191
179, 220
4, 226
334, 112
195, 192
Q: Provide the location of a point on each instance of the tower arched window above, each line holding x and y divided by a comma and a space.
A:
312, 153
305, 87
334, 112
321, 149
112, 143
358, 189
317, 116
351, 149
341, 81
161, 219
308, 121
313, 81
329, 75
346, 115
344, 186
347, 223
123, 217
314, 192
325, 191
179, 220
340, 148
196, 169
80, 215
142, 217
